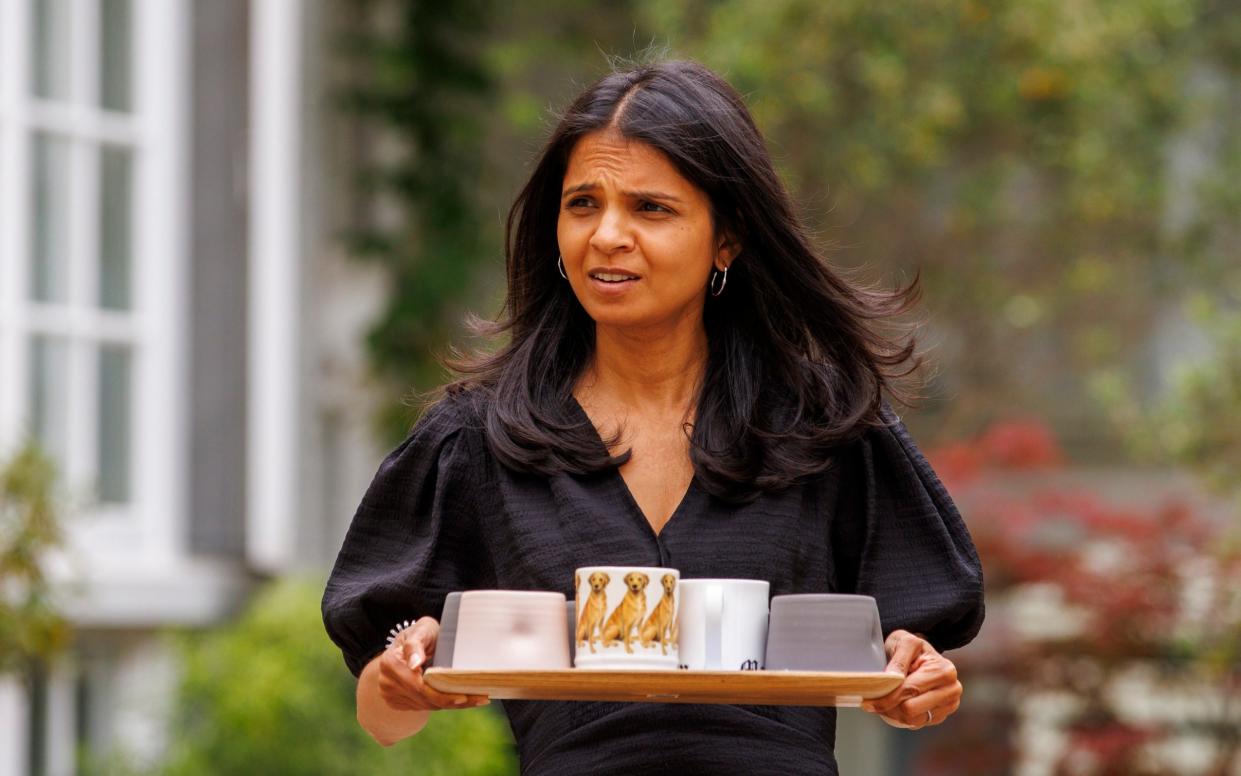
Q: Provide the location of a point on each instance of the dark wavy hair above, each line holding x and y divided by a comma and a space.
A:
796, 366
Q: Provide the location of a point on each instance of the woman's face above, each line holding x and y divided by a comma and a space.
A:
636, 236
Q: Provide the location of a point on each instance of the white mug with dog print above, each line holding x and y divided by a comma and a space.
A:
626, 617
723, 624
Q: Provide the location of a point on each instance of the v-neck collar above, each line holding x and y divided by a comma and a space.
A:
623, 486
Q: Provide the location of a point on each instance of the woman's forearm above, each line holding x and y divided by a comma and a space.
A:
385, 724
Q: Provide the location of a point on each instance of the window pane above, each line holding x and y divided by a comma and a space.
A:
49, 408
114, 420
115, 235
115, 79
49, 183
49, 60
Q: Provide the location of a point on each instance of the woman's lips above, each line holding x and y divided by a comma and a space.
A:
611, 281
612, 287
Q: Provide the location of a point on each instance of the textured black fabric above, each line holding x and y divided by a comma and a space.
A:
443, 515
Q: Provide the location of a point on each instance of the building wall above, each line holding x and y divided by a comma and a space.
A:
219, 228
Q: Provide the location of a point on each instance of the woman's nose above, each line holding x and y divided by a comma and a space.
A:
613, 232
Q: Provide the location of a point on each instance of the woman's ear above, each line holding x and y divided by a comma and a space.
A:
726, 249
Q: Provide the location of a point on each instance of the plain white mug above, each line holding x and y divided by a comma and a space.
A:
723, 624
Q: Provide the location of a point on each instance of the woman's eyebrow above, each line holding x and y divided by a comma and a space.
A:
633, 194
652, 195
578, 188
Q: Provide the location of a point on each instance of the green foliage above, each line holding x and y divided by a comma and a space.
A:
416, 92
270, 694
30, 627
1020, 153
1197, 423
450, 100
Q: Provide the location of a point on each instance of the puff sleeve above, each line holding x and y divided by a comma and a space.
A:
412, 541
898, 537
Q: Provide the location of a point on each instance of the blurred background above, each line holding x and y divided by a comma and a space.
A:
234, 233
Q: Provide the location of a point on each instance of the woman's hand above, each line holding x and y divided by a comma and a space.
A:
930, 684
401, 682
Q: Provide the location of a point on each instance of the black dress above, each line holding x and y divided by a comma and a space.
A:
442, 515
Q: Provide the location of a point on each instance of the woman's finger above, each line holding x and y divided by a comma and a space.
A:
395, 685
418, 642
398, 681
401, 682
902, 648
411, 654
941, 703
437, 699
393, 666
910, 688
403, 703
413, 693
931, 672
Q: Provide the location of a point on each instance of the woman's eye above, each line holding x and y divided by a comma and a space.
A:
579, 202
652, 207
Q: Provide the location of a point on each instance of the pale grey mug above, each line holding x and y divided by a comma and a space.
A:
448, 632
825, 632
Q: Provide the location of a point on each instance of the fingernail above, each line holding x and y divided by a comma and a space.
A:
483, 702
460, 701
868, 706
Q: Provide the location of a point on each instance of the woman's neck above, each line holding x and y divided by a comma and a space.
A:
645, 371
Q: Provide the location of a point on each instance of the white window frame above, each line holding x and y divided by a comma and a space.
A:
149, 529
274, 379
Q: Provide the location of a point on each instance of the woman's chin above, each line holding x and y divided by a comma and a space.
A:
617, 318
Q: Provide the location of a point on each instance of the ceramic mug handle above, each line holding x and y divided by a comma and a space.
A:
714, 615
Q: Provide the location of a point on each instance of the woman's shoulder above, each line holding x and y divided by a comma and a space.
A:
454, 411
446, 438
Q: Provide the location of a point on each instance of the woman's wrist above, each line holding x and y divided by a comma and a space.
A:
395, 632
384, 724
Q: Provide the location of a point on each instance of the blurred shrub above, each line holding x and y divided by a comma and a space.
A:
1197, 422
415, 88
270, 694
1115, 627
30, 628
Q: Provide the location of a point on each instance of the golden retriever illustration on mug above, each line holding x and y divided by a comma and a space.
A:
627, 618
590, 617
658, 626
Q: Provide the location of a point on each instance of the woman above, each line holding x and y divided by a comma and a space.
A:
686, 384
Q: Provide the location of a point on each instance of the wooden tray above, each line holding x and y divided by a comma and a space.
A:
777, 688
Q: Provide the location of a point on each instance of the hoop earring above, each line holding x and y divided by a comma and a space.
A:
723, 281
560, 266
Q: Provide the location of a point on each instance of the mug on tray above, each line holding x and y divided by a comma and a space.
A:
825, 632
626, 617
511, 629
723, 624
447, 639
